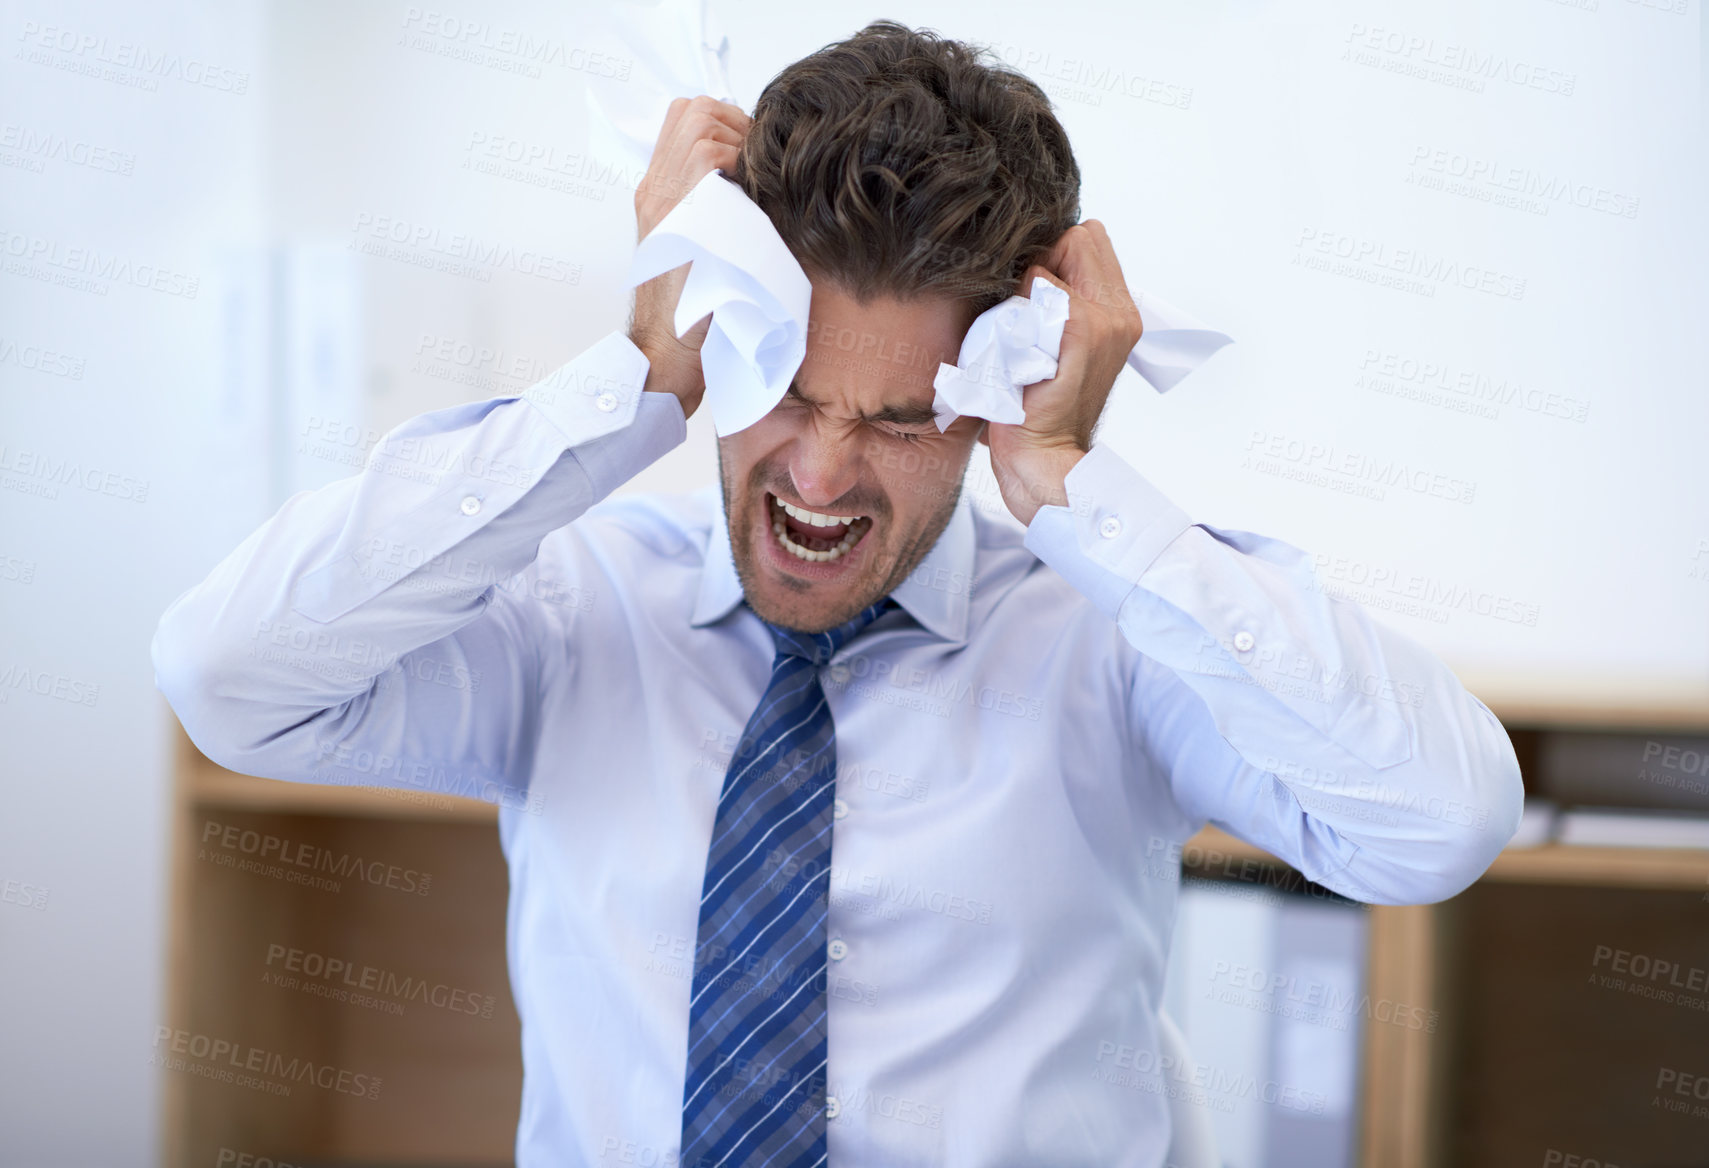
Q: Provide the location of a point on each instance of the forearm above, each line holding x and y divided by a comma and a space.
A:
317, 608
1352, 739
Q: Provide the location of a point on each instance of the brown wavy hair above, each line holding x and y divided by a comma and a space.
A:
901, 163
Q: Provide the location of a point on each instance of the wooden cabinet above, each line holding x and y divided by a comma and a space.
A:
406, 1051
338, 992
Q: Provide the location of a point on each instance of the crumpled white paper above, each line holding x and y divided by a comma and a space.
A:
744, 275
650, 54
1018, 342
1010, 345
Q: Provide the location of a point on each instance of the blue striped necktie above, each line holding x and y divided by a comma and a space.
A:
754, 1088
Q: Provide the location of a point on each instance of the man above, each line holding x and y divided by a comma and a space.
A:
846, 816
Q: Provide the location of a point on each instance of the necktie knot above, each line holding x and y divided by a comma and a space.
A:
819, 648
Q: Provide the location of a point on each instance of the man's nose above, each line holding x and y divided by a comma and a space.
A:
825, 464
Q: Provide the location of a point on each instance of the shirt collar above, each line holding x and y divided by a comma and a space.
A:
935, 593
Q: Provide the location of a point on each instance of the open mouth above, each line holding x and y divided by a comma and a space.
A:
813, 535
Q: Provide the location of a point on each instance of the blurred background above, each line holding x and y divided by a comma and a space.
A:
1460, 246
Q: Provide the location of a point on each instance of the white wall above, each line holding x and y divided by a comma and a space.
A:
1215, 138
113, 490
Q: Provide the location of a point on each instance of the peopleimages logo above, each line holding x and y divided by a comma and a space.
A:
1113, 1058
513, 50
88, 269
390, 237
1280, 990
1524, 181
43, 146
1411, 269
1468, 384
33, 472
228, 840
81, 52
1324, 464
1424, 57
229, 1056
345, 980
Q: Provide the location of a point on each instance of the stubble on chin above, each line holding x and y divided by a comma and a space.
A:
885, 569
883, 573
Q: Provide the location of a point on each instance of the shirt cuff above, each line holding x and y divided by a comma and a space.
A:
1115, 526
595, 394
597, 402
658, 427
488, 455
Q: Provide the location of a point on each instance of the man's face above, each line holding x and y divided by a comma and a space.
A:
853, 439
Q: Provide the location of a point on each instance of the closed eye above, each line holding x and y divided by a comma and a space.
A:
888, 420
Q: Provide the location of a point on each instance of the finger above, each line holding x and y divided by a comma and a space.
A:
706, 108
697, 122
719, 131
673, 115
1039, 270
1090, 266
684, 161
679, 157
1103, 250
706, 156
1083, 262
733, 116
684, 123
1063, 253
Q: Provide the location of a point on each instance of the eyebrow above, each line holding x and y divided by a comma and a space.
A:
906, 414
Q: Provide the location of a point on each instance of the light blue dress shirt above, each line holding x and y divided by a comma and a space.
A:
1023, 748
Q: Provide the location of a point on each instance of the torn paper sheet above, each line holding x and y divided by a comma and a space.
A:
744, 275
649, 55
1018, 342
1173, 344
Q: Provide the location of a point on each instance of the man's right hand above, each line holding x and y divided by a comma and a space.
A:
700, 135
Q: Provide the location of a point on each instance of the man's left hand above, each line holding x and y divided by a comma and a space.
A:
1032, 459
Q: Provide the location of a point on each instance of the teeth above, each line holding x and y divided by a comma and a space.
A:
850, 537
816, 518
824, 557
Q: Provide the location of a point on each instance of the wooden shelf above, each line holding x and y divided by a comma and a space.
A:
1678, 869
1562, 701
211, 785
1660, 868
225, 923
431, 1018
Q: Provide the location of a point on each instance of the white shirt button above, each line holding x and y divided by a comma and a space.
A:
1110, 527
606, 402
839, 808
837, 949
1243, 641
832, 1107
471, 505
839, 673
